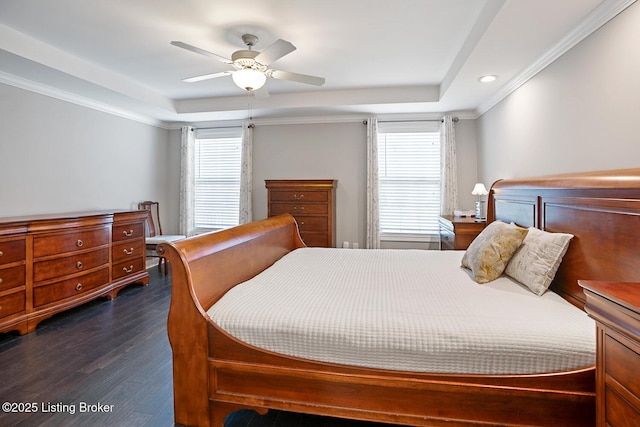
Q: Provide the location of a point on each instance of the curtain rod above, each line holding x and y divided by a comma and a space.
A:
455, 119
251, 125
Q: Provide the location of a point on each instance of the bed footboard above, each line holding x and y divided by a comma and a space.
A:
203, 268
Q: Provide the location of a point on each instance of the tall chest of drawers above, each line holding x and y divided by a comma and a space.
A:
61, 261
311, 202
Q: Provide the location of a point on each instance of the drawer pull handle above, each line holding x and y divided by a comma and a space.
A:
302, 223
0, 280
128, 270
295, 196
78, 286
79, 265
127, 233
79, 243
0, 307
128, 252
295, 208
1, 253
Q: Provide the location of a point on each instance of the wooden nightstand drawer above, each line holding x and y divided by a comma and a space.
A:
12, 277
12, 251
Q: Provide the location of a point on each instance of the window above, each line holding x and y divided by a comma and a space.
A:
218, 154
409, 180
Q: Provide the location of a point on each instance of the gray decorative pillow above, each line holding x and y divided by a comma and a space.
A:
536, 262
489, 253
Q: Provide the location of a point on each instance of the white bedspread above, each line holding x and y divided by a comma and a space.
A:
409, 310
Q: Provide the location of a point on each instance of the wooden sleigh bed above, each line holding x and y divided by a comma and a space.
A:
215, 374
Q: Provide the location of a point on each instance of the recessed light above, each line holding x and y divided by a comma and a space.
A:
487, 79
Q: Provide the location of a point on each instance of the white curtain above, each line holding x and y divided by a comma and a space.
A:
448, 169
246, 176
187, 180
373, 216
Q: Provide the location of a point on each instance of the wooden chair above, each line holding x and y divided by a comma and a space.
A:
154, 234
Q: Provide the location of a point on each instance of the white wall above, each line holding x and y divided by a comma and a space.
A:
56, 156
315, 151
338, 151
581, 113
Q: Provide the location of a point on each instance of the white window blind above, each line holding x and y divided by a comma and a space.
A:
218, 154
409, 179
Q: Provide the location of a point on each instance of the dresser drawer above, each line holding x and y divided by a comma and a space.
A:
12, 277
59, 267
128, 250
126, 268
301, 196
622, 364
12, 251
315, 239
67, 242
312, 224
128, 231
43, 295
12, 304
299, 208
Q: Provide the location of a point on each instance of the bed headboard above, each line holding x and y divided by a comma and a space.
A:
602, 211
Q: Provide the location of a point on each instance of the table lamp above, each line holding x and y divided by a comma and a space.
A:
481, 205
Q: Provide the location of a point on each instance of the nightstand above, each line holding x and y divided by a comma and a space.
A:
456, 233
615, 306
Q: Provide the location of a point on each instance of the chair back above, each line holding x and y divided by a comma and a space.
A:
154, 227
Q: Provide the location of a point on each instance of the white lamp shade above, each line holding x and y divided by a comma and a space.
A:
479, 190
249, 79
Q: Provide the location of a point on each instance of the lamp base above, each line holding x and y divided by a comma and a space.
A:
481, 211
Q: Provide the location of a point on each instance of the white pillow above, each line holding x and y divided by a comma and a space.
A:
537, 260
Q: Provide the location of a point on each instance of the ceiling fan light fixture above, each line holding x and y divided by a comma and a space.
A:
249, 79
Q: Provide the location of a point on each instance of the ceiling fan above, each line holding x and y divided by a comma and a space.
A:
251, 66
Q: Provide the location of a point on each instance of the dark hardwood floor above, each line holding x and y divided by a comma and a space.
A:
110, 353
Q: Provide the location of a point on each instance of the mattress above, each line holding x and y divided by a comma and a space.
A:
408, 310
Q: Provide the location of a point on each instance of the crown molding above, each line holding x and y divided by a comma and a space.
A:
606, 11
42, 89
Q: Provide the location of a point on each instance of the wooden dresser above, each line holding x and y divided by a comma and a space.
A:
615, 307
457, 233
311, 202
50, 263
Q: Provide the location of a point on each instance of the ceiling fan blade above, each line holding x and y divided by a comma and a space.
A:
261, 93
275, 51
207, 76
201, 51
301, 78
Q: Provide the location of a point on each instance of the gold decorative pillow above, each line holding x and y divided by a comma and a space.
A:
537, 260
490, 252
